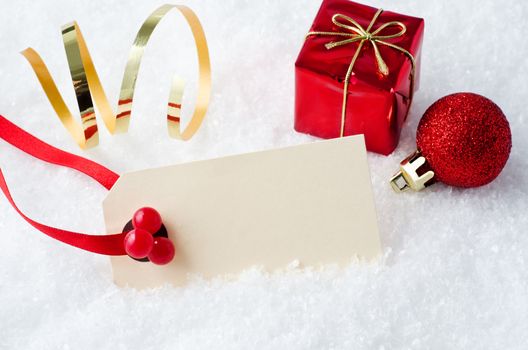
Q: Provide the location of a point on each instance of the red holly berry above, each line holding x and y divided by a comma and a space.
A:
138, 243
162, 251
147, 219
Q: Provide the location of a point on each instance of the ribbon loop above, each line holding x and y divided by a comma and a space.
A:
356, 33
102, 244
353, 26
403, 30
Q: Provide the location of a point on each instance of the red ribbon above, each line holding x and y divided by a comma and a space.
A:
101, 244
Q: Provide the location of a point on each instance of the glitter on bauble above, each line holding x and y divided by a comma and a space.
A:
463, 140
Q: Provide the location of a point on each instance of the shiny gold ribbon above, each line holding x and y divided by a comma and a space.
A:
88, 88
354, 33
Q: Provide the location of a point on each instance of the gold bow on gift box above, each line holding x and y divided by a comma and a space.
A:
88, 88
354, 33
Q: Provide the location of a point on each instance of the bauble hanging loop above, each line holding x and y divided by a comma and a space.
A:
463, 140
409, 176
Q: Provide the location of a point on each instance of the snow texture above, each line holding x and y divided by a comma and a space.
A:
455, 267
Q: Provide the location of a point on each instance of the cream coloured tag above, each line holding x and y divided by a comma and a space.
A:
311, 203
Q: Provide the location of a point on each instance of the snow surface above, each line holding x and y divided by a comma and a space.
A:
455, 270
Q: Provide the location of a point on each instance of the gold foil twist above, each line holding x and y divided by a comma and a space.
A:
354, 33
88, 88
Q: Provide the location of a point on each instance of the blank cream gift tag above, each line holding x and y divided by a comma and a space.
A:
311, 203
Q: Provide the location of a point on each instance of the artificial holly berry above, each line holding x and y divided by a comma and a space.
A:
147, 219
463, 140
162, 251
138, 243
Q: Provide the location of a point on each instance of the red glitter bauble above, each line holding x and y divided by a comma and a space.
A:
466, 140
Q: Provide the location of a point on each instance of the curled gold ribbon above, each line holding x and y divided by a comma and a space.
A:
89, 90
354, 33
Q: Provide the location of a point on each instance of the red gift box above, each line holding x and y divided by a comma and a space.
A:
380, 50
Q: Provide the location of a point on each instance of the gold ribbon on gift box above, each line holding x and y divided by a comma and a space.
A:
88, 88
354, 33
